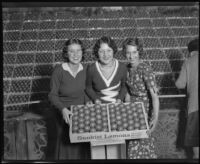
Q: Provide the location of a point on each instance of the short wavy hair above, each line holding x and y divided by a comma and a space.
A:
193, 45
105, 39
133, 42
70, 42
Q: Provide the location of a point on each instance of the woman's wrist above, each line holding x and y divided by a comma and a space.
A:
97, 101
118, 101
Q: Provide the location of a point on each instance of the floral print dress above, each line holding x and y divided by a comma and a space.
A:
139, 81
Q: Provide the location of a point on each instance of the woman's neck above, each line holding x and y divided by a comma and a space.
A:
73, 67
111, 64
135, 64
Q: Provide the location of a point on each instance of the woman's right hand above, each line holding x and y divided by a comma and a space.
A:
88, 103
66, 114
127, 98
97, 101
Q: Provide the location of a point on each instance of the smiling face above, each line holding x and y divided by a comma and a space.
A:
105, 54
74, 53
132, 55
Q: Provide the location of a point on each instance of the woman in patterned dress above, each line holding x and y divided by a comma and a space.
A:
141, 87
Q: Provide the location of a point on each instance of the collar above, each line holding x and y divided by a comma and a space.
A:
108, 81
66, 67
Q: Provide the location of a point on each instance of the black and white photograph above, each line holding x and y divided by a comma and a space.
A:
100, 81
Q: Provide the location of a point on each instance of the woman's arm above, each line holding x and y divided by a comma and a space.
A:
150, 80
54, 94
156, 104
182, 79
89, 85
54, 88
123, 90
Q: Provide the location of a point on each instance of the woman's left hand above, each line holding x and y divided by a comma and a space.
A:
118, 101
153, 124
89, 103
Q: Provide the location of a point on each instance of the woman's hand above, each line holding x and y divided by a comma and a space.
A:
152, 124
89, 103
118, 101
97, 101
127, 98
66, 114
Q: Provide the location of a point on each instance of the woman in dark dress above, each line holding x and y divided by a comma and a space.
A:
106, 83
67, 87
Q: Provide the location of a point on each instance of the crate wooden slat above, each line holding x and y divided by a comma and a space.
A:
21, 140
9, 141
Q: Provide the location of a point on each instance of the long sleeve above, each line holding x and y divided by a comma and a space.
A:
182, 79
123, 89
54, 88
89, 86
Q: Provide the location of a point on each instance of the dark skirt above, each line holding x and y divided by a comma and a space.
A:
59, 145
192, 130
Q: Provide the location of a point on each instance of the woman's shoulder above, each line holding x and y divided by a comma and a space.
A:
91, 65
144, 65
122, 65
58, 67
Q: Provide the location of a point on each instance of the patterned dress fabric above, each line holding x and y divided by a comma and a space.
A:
139, 81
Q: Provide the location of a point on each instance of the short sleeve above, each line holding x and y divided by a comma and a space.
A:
149, 77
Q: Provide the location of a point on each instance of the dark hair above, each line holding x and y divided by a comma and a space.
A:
70, 42
105, 39
133, 42
193, 45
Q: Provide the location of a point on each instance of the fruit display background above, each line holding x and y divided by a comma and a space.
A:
33, 39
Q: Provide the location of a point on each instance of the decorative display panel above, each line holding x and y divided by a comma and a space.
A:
46, 35
28, 46
25, 58
20, 86
144, 23
7, 71
34, 40
13, 26
153, 54
77, 24
112, 23
13, 99
30, 25
175, 22
11, 36
180, 31
33, 35
44, 25
64, 24
131, 32
128, 23
9, 58
159, 22
44, 57
10, 46
23, 71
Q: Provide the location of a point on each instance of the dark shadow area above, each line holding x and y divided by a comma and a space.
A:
48, 114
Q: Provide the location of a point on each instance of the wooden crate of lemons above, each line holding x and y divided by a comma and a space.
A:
108, 122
